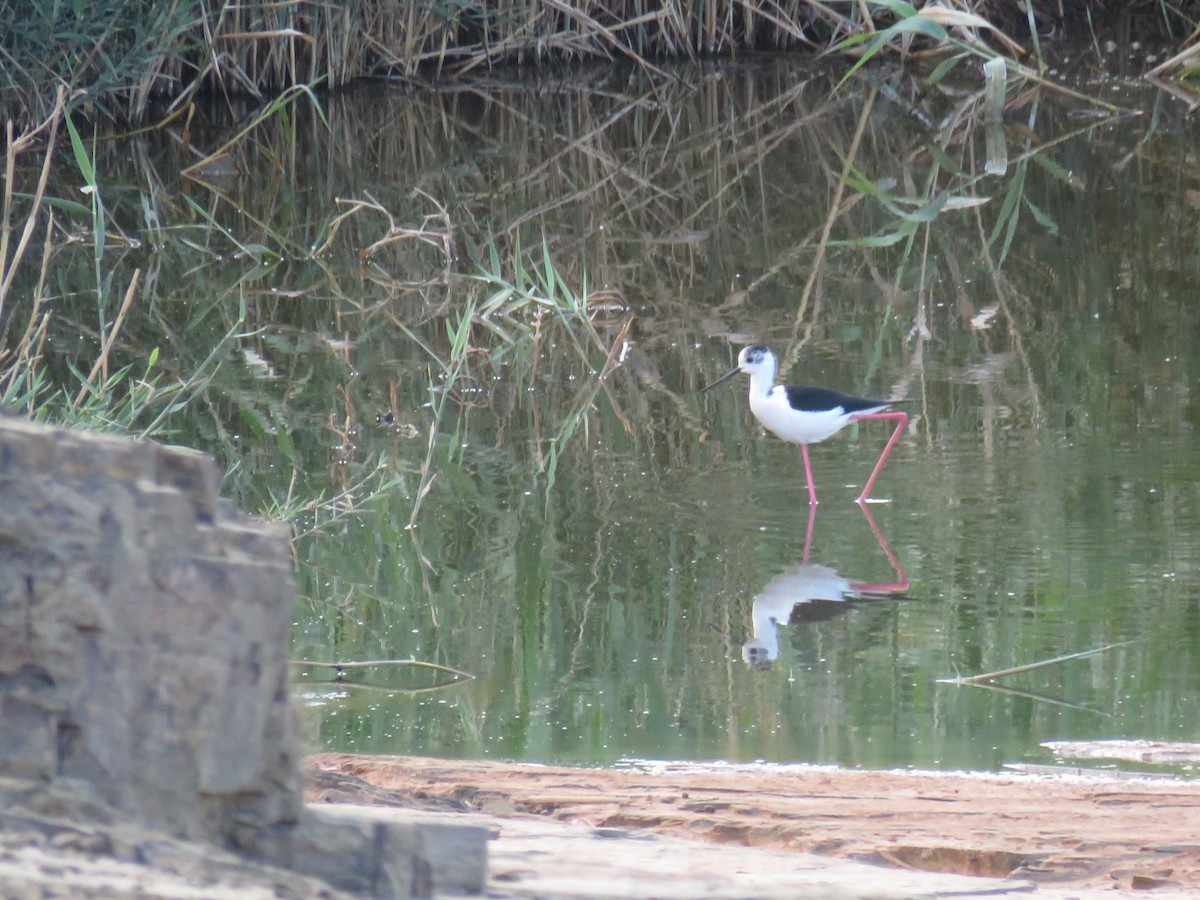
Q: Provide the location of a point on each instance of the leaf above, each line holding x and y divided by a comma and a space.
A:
283, 440
912, 25
899, 7
65, 205
927, 212
954, 18
82, 160
919, 210
918, 25
1042, 217
1006, 221
1058, 171
496, 300
995, 76
942, 69
965, 202
943, 160
887, 239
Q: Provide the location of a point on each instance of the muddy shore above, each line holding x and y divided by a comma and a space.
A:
686, 832
1053, 836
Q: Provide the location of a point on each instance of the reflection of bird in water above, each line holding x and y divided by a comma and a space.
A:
807, 592
804, 415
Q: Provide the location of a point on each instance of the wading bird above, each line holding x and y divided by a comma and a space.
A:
804, 415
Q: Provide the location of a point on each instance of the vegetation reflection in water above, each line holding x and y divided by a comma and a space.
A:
1039, 507
590, 548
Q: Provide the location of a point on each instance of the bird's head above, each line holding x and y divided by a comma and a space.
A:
754, 360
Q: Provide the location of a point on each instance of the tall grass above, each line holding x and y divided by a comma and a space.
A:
112, 57
119, 58
616, 183
132, 398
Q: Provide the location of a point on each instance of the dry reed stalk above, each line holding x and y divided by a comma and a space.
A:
13, 146
28, 348
442, 239
835, 212
262, 46
100, 367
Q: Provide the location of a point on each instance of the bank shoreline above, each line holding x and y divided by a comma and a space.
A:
1053, 836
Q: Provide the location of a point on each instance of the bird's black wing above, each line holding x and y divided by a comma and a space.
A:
819, 399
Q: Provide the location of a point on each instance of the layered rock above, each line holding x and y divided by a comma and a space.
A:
143, 659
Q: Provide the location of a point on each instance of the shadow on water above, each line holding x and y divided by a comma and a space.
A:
585, 546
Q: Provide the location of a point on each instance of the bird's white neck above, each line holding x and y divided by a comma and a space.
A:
762, 379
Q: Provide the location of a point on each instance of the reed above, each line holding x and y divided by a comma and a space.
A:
123, 57
96, 393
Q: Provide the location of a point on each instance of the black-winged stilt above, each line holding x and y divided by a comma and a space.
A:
803, 414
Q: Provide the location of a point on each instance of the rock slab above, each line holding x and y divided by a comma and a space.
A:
144, 630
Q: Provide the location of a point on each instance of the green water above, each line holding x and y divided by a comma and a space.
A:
591, 551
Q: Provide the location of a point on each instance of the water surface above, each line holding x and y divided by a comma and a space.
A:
591, 551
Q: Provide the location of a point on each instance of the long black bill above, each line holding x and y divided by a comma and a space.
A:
725, 377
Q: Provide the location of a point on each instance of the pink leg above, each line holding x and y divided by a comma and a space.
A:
901, 420
812, 491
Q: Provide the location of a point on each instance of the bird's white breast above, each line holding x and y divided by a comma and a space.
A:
797, 426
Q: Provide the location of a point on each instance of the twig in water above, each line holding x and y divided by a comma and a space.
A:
340, 668
1029, 667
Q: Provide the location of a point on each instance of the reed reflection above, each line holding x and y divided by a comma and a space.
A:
809, 592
